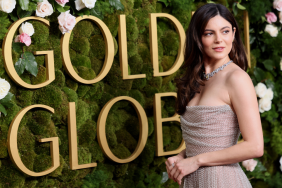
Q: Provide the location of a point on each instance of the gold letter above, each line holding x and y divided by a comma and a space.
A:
73, 140
101, 129
123, 51
109, 52
9, 65
154, 44
13, 144
158, 125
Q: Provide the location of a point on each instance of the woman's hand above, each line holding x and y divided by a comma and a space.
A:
170, 161
183, 168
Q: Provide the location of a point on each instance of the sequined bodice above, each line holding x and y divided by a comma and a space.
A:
209, 128
206, 129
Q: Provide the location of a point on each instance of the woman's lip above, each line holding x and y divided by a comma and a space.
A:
219, 49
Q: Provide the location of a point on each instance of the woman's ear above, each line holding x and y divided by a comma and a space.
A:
234, 30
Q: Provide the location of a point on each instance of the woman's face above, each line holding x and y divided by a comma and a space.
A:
217, 38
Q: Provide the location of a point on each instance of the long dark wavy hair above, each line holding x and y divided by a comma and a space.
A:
190, 82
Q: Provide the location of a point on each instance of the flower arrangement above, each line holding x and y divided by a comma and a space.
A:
27, 59
265, 95
272, 18
26, 31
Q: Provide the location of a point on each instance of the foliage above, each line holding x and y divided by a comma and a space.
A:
87, 53
26, 62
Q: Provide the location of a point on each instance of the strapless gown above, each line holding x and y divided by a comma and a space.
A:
206, 129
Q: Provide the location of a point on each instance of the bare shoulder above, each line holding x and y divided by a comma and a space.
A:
238, 77
240, 88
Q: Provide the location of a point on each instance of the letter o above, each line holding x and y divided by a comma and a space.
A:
101, 129
65, 40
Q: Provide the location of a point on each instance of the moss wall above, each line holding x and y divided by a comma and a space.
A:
87, 56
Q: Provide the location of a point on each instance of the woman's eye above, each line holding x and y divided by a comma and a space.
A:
207, 34
226, 31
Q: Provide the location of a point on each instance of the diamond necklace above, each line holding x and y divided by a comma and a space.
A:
207, 76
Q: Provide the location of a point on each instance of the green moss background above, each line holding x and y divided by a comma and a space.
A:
87, 52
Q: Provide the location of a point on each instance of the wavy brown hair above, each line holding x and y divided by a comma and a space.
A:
189, 83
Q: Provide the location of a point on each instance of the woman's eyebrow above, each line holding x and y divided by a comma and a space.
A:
220, 29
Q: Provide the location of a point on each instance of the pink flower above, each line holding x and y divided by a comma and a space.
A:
250, 164
25, 38
277, 4
66, 22
62, 2
271, 17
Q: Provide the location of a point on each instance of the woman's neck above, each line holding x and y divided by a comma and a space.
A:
212, 64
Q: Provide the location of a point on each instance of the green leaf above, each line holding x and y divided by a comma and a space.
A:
6, 101
80, 14
24, 4
270, 84
96, 13
13, 16
226, 3
259, 74
59, 7
117, 4
66, 8
86, 11
240, 6
20, 66
235, 9
22, 13
17, 47
165, 2
3, 110
266, 139
30, 63
268, 64
208, 1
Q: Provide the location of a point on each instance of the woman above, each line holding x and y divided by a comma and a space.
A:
216, 101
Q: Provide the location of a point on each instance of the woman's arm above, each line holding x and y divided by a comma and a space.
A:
244, 101
233, 154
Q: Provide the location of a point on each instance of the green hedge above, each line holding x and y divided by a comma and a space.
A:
87, 55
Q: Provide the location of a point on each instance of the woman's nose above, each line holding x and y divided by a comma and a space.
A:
218, 37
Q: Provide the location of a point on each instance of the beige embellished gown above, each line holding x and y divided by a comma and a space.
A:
206, 129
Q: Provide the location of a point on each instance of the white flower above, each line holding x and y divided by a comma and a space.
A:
277, 4
66, 22
260, 89
268, 94
264, 105
272, 30
4, 88
7, 5
250, 164
89, 3
79, 4
44, 8
27, 28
